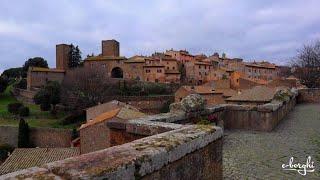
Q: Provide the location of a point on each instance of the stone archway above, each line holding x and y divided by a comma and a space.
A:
117, 73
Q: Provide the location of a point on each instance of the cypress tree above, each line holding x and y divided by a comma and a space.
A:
23, 136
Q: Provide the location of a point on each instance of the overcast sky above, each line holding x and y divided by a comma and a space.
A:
252, 29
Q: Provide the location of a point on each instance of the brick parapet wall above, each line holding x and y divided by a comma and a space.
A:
144, 158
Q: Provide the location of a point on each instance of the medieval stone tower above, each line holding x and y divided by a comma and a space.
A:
110, 48
62, 56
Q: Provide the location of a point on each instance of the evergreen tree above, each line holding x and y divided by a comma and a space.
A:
74, 56
34, 62
23, 136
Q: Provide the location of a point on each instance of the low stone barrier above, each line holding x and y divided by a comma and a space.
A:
164, 150
259, 118
24, 95
309, 95
167, 155
39, 137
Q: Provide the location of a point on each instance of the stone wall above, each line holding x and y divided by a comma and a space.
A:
50, 137
169, 155
9, 135
39, 137
24, 95
309, 95
260, 118
147, 104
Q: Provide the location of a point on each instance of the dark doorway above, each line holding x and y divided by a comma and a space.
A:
117, 73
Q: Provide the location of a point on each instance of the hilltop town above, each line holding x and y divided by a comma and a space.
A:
152, 117
171, 66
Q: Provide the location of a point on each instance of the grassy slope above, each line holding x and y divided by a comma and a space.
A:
37, 117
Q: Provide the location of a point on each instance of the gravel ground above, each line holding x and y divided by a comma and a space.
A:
260, 155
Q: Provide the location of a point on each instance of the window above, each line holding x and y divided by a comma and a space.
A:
147, 70
104, 65
173, 68
200, 73
147, 79
159, 70
199, 66
237, 80
168, 68
156, 80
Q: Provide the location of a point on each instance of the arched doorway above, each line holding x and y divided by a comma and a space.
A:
117, 73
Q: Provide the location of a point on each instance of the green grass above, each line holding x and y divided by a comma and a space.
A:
37, 117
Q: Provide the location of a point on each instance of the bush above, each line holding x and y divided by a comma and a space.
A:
4, 150
3, 84
75, 117
14, 107
24, 111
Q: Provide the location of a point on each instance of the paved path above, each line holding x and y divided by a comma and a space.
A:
259, 155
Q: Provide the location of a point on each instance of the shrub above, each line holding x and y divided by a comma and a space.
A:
47, 96
3, 84
4, 150
75, 117
14, 108
24, 111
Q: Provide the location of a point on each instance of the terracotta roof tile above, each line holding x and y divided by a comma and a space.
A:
22, 158
256, 94
102, 117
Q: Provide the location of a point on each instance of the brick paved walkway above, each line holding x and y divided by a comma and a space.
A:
259, 155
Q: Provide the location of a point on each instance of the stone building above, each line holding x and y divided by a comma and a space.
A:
23, 158
62, 56
210, 95
260, 71
37, 77
95, 134
255, 96
198, 71
182, 56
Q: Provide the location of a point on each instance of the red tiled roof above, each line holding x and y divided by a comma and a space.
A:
22, 158
256, 94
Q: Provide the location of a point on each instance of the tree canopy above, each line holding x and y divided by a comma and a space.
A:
35, 62
307, 65
3, 84
74, 57
13, 73
48, 95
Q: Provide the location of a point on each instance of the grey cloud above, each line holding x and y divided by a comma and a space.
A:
267, 29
